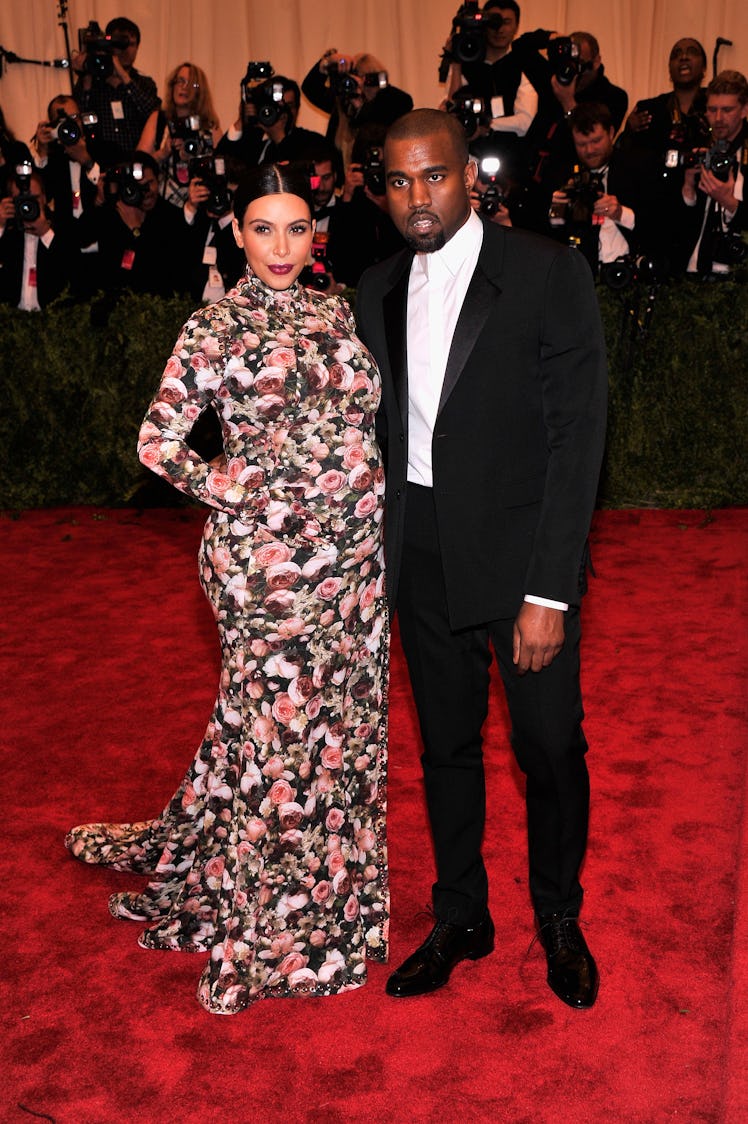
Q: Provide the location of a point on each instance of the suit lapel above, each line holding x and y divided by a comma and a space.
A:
479, 302
395, 310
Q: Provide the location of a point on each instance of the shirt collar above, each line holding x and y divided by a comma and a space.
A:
465, 242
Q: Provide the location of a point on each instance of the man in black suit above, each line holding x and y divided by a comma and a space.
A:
36, 261
493, 418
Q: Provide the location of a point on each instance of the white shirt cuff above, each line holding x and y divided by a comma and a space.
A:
546, 602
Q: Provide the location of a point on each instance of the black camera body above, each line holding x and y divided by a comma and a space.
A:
212, 171
98, 49
267, 102
125, 181
495, 194
563, 56
318, 275
342, 83
188, 131
373, 169
68, 131
27, 208
469, 33
630, 269
718, 160
583, 190
687, 135
472, 112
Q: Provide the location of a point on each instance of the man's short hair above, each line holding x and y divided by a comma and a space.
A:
729, 82
125, 26
510, 4
586, 116
423, 122
588, 38
56, 101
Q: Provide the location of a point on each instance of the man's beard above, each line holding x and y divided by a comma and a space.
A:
425, 243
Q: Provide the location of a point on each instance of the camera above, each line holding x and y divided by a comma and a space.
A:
582, 192
376, 78
27, 207
342, 83
729, 248
212, 171
494, 196
267, 102
317, 275
373, 169
630, 268
98, 49
256, 72
187, 130
125, 181
68, 131
563, 56
470, 111
718, 160
687, 135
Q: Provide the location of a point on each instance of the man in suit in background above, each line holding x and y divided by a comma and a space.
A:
493, 418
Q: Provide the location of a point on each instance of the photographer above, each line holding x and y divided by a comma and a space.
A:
354, 89
266, 129
141, 237
110, 86
364, 231
508, 80
607, 205
186, 126
714, 187
581, 78
213, 260
71, 178
35, 260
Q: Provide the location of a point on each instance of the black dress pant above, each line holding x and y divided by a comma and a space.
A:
449, 674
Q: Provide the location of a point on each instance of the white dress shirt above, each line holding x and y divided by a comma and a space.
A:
437, 287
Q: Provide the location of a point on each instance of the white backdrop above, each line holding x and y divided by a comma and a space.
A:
407, 35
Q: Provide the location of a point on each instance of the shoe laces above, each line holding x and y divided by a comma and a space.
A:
558, 932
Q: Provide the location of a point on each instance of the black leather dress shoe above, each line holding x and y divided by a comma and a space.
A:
431, 964
572, 972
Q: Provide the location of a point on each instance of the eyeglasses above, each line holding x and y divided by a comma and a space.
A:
186, 82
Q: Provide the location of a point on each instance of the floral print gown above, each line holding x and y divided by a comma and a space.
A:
272, 855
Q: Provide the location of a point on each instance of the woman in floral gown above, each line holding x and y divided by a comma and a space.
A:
271, 855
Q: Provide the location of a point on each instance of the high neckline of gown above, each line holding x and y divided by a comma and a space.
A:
268, 297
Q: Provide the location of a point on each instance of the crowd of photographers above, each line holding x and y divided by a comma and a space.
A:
121, 189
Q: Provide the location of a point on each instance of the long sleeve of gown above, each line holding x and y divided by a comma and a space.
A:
193, 379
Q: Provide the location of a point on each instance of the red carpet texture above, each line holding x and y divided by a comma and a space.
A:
109, 669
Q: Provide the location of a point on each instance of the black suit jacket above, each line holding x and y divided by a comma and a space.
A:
519, 435
54, 267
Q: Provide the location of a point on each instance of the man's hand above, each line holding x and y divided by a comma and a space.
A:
354, 177
722, 192
608, 207
119, 76
7, 210
538, 637
639, 120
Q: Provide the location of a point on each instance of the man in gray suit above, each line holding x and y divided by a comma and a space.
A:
492, 424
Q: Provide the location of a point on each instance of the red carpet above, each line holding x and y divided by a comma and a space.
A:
109, 666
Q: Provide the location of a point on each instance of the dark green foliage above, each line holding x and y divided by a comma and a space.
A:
678, 416
76, 381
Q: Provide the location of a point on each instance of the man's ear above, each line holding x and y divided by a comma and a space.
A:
471, 173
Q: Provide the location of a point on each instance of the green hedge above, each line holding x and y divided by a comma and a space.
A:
76, 380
